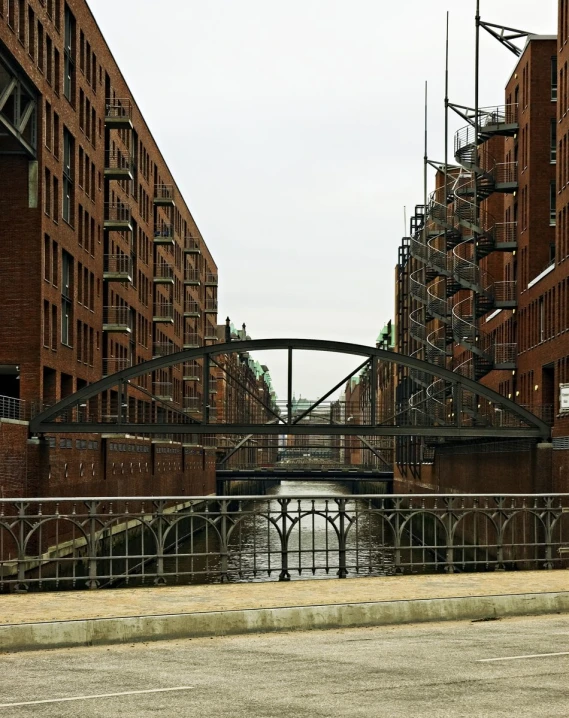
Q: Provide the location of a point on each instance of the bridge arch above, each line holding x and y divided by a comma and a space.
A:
487, 415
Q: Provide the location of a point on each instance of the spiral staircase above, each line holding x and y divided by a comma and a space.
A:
457, 233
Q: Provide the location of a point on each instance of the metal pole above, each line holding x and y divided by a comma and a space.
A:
373, 386
425, 162
475, 157
289, 386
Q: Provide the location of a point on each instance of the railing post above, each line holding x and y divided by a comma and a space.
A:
284, 574
92, 581
449, 553
342, 569
159, 579
21, 586
397, 536
224, 547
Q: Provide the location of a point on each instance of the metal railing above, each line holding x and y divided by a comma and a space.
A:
11, 408
191, 244
101, 542
163, 310
191, 339
191, 275
162, 349
117, 160
116, 316
210, 305
164, 230
118, 109
117, 212
191, 307
211, 278
163, 270
164, 192
111, 365
118, 264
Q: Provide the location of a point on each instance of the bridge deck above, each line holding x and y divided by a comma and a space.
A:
301, 474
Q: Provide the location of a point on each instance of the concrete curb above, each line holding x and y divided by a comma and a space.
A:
100, 631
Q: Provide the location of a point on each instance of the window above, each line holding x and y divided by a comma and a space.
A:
48, 126
12, 13
56, 71
22, 21
41, 58
69, 57
31, 34
553, 141
552, 203
553, 78
68, 178
49, 59
66, 298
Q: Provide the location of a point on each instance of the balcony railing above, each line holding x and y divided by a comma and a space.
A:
164, 233
162, 349
118, 216
506, 234
117, 267
116, 319
506, 173
505, 354
164, 195
191, 276
118, 165
191, 245
11, 408
163, 390
118, 113
191, 308
163, 312
211, 279
111, 365
193, 404
163, 273
504, 294
192, 371
211, 305
191, 340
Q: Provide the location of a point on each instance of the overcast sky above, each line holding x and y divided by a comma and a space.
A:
295, 132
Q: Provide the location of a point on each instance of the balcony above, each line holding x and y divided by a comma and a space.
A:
111, 365
192, 308
118, 166
210, 306
164, 233
163, 390
163, 349
192, 371
191, 277
163, 273
505, 356
164, 195
118, 114
505, 295
191, 340
210, 279
193, 404
118, 217
117, 268
192, 245
117, 319
211, 333
163, 313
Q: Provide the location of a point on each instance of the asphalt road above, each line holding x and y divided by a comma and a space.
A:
496, 668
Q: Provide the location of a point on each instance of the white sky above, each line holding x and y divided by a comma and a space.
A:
295, 132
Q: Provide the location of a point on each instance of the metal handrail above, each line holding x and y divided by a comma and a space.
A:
117, 212
117, 263
164, 192
12, 408
118, 109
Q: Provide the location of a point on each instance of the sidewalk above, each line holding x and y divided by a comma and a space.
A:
50, 620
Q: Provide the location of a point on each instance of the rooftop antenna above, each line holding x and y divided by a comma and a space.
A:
404, 221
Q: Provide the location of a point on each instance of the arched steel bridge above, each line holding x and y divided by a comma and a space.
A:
123, 404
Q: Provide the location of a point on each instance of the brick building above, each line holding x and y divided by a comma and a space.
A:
102, 264
482, 279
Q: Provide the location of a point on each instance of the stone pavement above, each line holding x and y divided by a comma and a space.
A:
54, 619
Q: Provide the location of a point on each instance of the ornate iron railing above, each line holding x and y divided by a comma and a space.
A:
97, 542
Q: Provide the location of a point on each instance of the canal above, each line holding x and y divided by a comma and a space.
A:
309, 521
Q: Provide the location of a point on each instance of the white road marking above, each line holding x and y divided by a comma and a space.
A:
516, 658
100, 695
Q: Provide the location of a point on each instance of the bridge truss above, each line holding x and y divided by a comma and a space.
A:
133, 402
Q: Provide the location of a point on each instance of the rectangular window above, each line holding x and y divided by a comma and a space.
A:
48, 126
553, 141
552, 203
46, 318
12, 13
66, 297
54, 327
68, 176
31, 34
69, 56
55, 264
56, 134
55, 199
553, 78
41, 57
47, 193
22, 21
56, 71
49, 59
47, 258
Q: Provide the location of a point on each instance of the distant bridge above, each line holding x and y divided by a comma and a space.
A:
310, 472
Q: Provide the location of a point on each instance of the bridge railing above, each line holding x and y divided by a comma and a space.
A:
100, 542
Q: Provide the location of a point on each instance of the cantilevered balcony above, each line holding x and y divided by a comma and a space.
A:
210, 279
117, 268
211, 333
118, 114
191, 245
111, 365
117, 319
118, 217
191, 340
163, 273
192, 371
210, 306
505, 295
118, 165
191, 277
193, 404
163, 390
162, 349
164, 233
163, 313
191, 308
164, 195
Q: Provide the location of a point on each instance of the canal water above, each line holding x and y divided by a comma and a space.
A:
255, 550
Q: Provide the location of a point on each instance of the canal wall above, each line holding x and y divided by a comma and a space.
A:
520, 466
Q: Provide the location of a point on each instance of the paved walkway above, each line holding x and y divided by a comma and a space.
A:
153, 613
